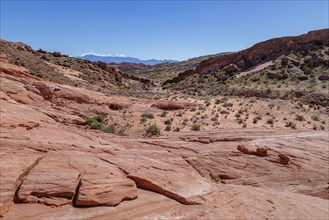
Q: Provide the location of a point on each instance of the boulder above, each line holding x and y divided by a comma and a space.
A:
261, 152
244, 149
284, 159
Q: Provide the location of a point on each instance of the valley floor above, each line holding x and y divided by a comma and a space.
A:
53, 166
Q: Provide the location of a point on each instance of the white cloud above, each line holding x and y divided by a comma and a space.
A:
103, 55
97, 54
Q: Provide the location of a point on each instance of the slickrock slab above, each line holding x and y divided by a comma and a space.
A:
164, 173
53, 181
14, 167
102, 184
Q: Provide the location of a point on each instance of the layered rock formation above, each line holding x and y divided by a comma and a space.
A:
52, 166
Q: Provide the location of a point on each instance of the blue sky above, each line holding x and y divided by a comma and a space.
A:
156, 29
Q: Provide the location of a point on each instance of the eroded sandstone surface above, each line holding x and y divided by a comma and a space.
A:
53, 167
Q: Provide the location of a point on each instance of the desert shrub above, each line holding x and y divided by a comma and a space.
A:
110, 129
300, 118
179, 114
224, 112
270, 121
214, 177
207, 103
96, 125
315, 118
193, 109
204, 116
290, 124
214, 119
143, 120
227, 104
237, 115
168, 128
148, 115
164, 114
306, 70
168, 122
177, 129
153, 130
202, 108
167, 85
196, 127
96, 122
97, 118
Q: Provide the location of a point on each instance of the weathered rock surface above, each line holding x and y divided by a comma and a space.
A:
52, 182
166, 175
101, 183
49, 169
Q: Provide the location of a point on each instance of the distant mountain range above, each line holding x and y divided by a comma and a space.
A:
117, 59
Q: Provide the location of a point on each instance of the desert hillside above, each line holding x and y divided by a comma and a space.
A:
285, 68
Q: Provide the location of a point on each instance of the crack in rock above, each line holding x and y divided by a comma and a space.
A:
21, 178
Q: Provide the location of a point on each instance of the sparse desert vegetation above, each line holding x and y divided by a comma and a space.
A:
191, 133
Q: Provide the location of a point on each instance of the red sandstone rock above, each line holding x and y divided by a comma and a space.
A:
169, 105
57, 187
284, 159
261, 152
102, 184
46, 91
244, 149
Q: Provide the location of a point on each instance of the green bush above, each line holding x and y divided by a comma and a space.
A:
96, 125
167, 85
168, 128
153, 130
196, 127
148, 115
214, 177
300, 118
96, 122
